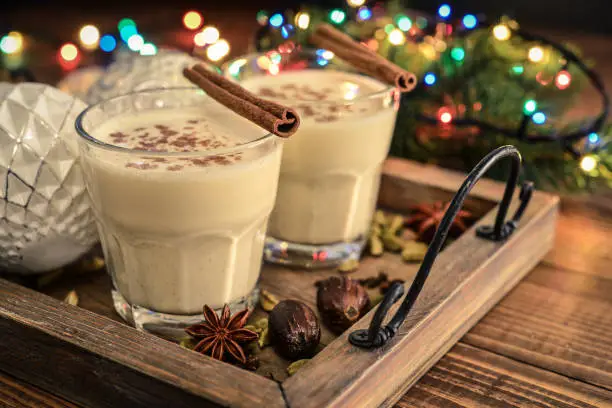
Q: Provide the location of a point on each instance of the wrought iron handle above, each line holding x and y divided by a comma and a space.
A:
377, 334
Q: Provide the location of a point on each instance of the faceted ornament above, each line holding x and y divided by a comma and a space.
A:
45, 217
138, 72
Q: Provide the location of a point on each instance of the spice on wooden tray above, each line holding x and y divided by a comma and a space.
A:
341, 301
294, 329
426, 218
267, 301
220, 337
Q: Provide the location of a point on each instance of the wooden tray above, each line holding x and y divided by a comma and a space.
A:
88, 355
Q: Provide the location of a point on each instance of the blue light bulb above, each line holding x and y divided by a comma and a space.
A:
430, 78
539, 118
593, 138
364, 13
444, 11
469, 21
108, 43
276, 20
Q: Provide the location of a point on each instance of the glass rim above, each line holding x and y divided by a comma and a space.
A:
312, 51
88, 138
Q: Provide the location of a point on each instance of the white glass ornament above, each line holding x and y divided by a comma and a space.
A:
45, 217
138, 72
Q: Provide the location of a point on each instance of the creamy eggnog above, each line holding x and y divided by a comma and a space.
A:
330, 169
183, 213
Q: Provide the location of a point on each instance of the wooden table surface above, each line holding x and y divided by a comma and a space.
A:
547, 344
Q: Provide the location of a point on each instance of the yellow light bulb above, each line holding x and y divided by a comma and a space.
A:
89, 36
218, 50
302, 20
536, 54
210, 34
396, 37
588, 163
501, 32
69, 52
192, 20
356, 3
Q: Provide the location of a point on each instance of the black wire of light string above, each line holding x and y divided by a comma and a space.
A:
520, 132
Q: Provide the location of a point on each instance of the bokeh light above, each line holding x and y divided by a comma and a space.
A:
337, 16
12, 43
444, 10
89, 35
192, 20
135, 42
148, 49
530, 106
501, 32
536, 54
276, 20
356, 3
563, 80
218, 50
108, 43
404, 23
457, 53
593, 138
588, 163
469, 21
69, 52
208, 35
430, 78
364, 13
302, 20
396, 37
539, 118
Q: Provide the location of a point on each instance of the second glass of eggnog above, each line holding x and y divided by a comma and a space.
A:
182, 188
330, 171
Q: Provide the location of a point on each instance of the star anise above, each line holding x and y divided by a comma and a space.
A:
426, 218
220, 336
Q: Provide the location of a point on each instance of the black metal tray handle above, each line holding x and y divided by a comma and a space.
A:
377, 334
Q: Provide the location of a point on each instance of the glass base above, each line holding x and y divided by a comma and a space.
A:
311, 256
170, 326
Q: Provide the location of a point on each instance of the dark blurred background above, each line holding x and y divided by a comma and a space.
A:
583, 15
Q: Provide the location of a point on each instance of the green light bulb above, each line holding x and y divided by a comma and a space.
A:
337, 16
530, 106
458, 54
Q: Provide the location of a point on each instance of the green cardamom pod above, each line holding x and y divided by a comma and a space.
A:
392, 242
267, 301
72, 298
296, 365
414, 251
350, 265
261, 324
379, 218
375, 246
264, 338
397, 222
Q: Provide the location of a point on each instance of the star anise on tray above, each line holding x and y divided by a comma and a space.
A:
425, 220
219, 337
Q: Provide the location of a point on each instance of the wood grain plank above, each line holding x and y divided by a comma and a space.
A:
468, 278
73, 352
17, 394
470, 377
556, 319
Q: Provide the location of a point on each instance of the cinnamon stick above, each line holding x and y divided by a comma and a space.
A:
362, 58
277, 119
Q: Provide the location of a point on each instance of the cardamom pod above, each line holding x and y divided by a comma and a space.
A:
252, 348
264, 338
414, 251
296, 365
379, 218
261, 325
252, 327
392, 242
375, 298
267, 301
72, 298
188, 343
375, 246
397, 222
350, 265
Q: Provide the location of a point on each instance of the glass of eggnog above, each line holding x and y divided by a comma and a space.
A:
330, 170
182, 189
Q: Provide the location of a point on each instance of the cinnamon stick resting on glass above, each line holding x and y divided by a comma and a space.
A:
361, 57
275, 118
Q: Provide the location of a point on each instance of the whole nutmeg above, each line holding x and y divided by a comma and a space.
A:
341, 302
294, 329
